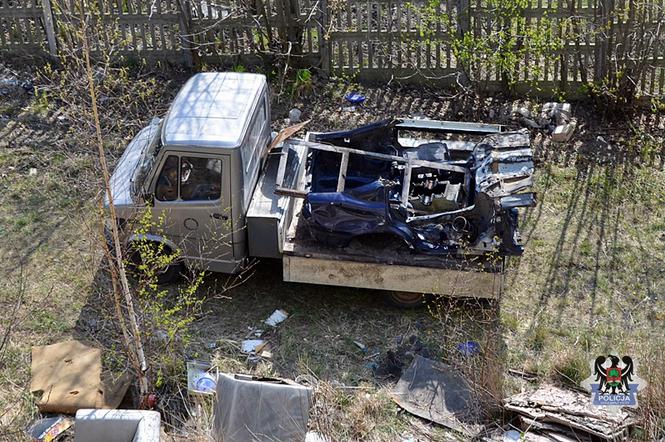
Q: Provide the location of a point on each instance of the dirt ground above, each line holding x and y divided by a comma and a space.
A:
592, 278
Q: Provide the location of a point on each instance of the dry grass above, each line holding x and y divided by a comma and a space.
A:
591, 280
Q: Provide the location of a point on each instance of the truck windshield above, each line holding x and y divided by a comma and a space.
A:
148, 156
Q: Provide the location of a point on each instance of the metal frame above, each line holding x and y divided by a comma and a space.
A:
409, 164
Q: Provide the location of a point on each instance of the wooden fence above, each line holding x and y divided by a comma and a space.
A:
372, 39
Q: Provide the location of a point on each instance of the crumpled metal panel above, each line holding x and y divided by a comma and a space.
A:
481, 215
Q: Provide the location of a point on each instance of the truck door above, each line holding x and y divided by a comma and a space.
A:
192, 193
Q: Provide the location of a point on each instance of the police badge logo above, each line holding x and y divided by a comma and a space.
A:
613, 381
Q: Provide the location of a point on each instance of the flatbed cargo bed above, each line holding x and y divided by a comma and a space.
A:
385, 264
276, 229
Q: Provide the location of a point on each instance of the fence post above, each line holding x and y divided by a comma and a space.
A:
324, 42
463, 26
49, 27
602, 40
185, 34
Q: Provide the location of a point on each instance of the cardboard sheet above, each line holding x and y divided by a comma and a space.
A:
68, 375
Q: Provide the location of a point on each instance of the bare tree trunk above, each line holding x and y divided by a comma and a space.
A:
120, 266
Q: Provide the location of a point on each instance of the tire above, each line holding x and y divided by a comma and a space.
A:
406, 299
168, 275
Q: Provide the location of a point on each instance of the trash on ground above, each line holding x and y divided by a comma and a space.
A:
555, 114
564, 132
314, 436
392, 363
49, 428
469, 348
517, 110
117, 425
355, 98
512, 435
68, 376
274, 408
14, 86
252, 345
201, 377
555, 411
528, 122
294, 115
437, 392
277, 316
361, 346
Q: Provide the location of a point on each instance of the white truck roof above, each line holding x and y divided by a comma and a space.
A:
213, 110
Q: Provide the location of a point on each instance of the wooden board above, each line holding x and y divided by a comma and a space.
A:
368, 275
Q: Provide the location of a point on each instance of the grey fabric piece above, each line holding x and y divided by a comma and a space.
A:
250, 410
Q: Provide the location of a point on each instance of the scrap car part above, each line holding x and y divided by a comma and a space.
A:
439, 200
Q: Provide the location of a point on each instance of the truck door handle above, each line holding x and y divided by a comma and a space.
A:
219, 216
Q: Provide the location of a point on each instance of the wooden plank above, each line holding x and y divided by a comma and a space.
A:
404, 278
341, 177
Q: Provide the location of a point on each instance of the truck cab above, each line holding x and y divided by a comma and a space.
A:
197, 169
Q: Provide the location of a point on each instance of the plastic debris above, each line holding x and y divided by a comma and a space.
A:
564, 132
361, 346
201, 378
512, 436
521, 112
14, 86
294, 115
355, 98
439, 393
276, 317
390, 364
49, 429
252, 345
468, 348
556, 113
313, 436
528, 122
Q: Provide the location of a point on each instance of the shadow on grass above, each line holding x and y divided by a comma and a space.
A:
318, 338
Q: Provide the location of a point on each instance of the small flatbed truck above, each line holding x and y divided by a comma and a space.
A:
207, 173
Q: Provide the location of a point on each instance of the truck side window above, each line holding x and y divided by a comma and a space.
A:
200, 179
167, 183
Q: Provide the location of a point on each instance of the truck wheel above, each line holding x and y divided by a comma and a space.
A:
169, 274
406, 299
166, 275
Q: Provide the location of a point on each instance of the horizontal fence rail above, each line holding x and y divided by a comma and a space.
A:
374, 39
